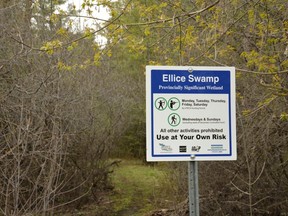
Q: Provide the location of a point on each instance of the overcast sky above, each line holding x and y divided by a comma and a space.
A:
82, 23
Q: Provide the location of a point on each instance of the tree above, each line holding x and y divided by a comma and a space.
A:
249, 35
66, 101
58, 117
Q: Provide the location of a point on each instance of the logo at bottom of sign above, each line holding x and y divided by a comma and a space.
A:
165, 148
195, 148
182, 148
217, 148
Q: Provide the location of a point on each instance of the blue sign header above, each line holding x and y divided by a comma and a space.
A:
197, 82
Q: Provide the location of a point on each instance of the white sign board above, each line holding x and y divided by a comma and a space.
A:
190, 113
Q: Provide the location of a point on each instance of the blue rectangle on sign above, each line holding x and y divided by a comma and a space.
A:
181, 81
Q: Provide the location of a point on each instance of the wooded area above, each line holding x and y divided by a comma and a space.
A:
69, 104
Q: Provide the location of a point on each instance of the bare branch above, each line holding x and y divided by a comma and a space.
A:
174, 17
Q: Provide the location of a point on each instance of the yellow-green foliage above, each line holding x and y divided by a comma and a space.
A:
50, 46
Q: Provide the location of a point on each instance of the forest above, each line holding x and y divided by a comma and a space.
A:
72, 101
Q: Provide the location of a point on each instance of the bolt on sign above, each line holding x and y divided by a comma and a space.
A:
191, 114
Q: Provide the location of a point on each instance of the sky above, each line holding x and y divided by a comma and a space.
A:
82, 23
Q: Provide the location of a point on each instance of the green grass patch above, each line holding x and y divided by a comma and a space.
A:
140, 188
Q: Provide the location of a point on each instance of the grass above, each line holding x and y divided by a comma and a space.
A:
140, 188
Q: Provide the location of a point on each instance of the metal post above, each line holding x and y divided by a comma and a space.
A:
193, 188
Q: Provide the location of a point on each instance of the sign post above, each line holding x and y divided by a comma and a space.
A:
193, 188
190, 116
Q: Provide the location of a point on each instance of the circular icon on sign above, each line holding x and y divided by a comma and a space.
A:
174, 103
174, 119
160, 103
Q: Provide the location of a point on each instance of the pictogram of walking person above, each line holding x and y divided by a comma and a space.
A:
174, 120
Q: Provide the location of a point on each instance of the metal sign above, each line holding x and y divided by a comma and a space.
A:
190, 113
